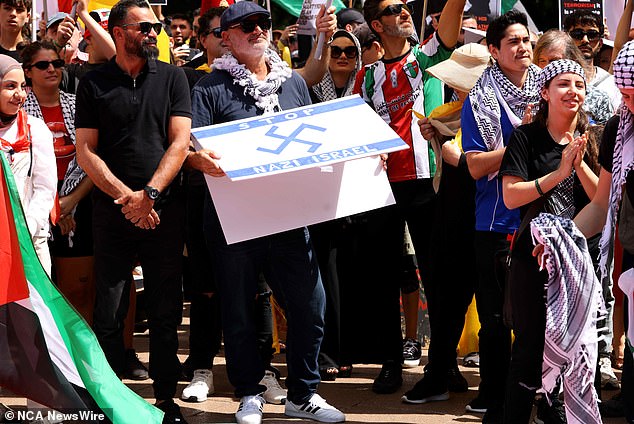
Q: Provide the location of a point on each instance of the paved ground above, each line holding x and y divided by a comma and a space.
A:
352, 395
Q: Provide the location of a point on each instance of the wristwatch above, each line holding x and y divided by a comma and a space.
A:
152, 193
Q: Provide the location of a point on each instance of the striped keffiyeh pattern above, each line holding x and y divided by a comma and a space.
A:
574, 302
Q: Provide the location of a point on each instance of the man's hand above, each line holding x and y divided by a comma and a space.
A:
426, 128
326, 21
289, 31
136, 205
65, 31
205, 161
149, 222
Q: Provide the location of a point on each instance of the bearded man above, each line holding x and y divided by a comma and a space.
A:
132, 140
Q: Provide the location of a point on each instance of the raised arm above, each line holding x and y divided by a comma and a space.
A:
314, 70
100, 37
622, 30
451, 22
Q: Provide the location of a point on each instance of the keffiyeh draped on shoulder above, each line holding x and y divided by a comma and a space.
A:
495, 91
264, 92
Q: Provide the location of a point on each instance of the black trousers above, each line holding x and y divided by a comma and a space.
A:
118, 244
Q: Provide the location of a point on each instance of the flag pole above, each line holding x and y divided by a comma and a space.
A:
422, 27
34, 24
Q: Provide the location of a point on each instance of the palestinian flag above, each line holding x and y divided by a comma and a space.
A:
47, 351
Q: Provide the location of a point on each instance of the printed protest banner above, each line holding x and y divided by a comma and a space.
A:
296, 167
566, 7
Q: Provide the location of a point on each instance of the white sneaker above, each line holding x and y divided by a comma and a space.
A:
274, 393
315, 409
201, 386
250, 410
608, 378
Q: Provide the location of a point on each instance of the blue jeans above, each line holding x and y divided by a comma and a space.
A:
289, 266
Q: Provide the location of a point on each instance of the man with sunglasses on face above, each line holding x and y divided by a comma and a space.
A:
586, 29
393, 86
132, 139
252, 80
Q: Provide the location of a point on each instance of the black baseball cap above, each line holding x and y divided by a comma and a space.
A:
239, 11
349, 16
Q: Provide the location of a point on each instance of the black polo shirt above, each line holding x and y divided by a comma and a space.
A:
132, 116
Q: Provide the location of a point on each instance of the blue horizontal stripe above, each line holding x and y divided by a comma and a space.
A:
317, 158
316, 109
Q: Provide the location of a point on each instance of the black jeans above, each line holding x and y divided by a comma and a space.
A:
528, 299
495, 337
118, 244
289, 266
627, 376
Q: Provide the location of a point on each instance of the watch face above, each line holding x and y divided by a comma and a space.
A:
152, 193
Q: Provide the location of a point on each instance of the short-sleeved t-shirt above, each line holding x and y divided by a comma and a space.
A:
132, 116
531, 154
216, 99
491, 212
393, 87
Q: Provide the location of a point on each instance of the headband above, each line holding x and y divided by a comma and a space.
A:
558, 67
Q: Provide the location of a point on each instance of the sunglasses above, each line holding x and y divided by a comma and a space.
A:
146, 27
43, 65
264, 22
217, 32
350, 52
578, 34
394, 10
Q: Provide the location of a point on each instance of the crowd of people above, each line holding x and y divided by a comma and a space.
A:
96, 131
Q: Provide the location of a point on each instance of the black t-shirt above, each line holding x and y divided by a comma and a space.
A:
132, 116
11, 53
532, 153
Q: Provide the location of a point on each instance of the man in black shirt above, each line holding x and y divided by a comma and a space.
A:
132, 139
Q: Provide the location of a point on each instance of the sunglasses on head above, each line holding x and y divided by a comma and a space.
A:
43, 65
146, 27
350, 52
217, 32
248, 26
578, 34
394, 10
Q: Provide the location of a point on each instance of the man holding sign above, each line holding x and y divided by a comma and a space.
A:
394, 86
249, 81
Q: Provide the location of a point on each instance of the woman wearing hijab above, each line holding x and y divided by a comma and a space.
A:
542, 171
345, 62
28, 145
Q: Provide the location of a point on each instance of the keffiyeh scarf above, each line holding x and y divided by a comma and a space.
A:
264, 92
574, 304
494, 91
74, 174
325, 89
623, 156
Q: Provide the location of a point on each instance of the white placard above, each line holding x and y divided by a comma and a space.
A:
261, 206
308, 16
299, 167
305, 137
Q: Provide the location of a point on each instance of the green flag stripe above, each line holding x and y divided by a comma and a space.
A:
508, 5
294, 7
118, 402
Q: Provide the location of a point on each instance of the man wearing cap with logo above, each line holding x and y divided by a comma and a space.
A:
252, 80
132, 140
393, 86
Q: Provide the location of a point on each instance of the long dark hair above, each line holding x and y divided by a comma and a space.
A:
583, 127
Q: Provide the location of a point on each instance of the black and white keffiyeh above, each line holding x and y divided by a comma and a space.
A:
264, 92
325, 89
494, 91
74, 174
624, 66
623, 156
574, 304
558, 67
